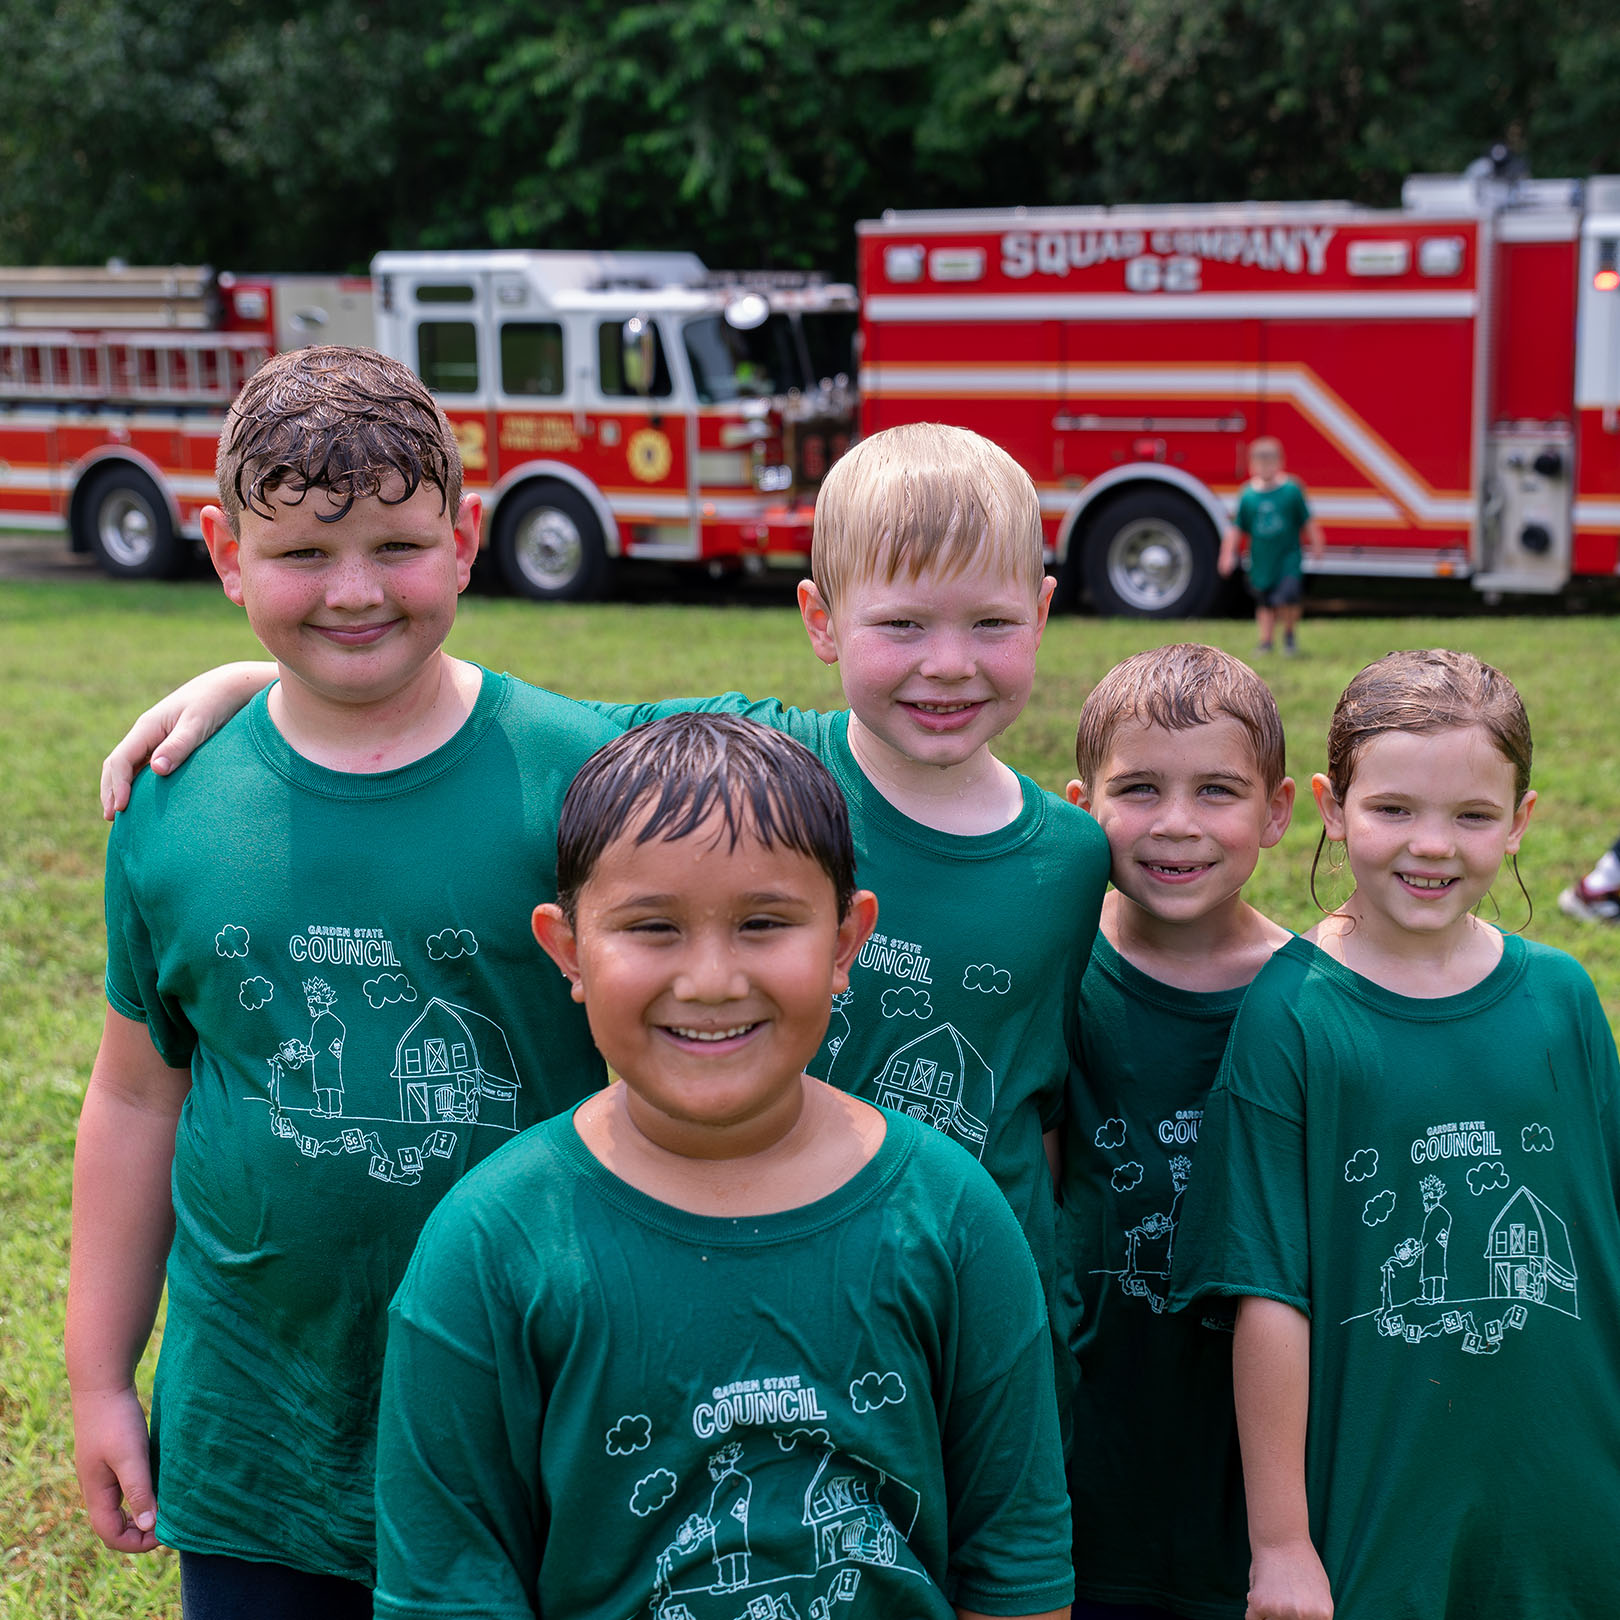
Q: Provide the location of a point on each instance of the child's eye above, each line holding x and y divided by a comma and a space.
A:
1217, 790
764, 925
652, 926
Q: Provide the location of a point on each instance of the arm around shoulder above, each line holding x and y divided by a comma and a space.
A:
123, 1222
168, 733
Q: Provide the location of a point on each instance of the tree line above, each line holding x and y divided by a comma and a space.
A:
308, 134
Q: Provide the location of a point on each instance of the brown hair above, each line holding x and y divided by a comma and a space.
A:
924, 496
1426, 691
339, 419
1179, 687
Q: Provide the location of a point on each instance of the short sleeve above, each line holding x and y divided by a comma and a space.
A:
1244, 1222
459, 1527
1009, 1524
132, 968
1243, 517
1302, 509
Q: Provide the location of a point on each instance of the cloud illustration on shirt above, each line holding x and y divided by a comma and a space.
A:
451, 942
652, 1492
1126, 1176
1488, 1177
1536, 1139
1110, 1134
632, 1433
985, 976
876, 1389
255, 992
388, 987
1378, 1209
906, 1002
231, 941
1362, 1166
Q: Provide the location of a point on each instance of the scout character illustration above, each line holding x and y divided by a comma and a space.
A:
1435, 1240
326, 1034
1150, 1245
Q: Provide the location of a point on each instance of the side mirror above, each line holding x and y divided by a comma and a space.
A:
640, 354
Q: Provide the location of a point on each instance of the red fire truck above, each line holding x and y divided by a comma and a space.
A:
1445, 377
607, 405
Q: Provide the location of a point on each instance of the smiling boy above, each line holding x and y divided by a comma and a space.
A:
312, 970
723, 1340
1180, 755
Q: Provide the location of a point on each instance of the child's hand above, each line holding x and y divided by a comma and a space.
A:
173, 728
112, 1454
1288, 1582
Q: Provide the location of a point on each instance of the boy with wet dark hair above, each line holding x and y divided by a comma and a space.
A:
318, 946
723, 1340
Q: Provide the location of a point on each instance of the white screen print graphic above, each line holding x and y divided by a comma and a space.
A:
452, 1067
1468, 1264
1150, 1240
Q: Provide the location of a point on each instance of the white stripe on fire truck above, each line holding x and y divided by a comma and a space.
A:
681, 506
1362, 306
1597, 514
59, 480
1295, 383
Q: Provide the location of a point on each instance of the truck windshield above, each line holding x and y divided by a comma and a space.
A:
728, 364
829, 335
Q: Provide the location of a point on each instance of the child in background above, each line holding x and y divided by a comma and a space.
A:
1408, 1175
724, 1340
323, 1001
1272, 514
1181, 761
1596, 897
929, 593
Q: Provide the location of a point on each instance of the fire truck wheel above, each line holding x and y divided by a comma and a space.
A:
1151, 554
127, 525
548, 544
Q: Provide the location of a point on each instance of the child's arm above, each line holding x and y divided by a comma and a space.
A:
1271, 1386
1231, 547
177, 725
1311, 534
123, 1221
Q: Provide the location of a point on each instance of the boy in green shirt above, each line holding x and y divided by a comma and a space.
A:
312, 970
1180, 754
724, 1340
1272, 515
929, 593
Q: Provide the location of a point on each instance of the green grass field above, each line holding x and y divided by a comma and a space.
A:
78, 660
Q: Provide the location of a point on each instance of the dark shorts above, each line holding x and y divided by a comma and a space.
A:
215, 1588
1289, 591
1084, 1609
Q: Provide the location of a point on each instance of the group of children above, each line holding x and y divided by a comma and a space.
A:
764, 1326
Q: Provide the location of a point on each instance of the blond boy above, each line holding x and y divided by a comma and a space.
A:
1180, 755
1272, 515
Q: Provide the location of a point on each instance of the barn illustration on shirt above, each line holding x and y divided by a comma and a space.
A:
932, 1077
454, 1066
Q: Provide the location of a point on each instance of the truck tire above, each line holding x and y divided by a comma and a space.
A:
549, 547
126, 526
1151, 554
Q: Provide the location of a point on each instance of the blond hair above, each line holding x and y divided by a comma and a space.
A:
924, 496
1177, 688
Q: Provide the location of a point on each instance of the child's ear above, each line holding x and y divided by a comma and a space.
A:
1043, 605
468, 530
818, 622
1077, 793
224, 550
1328, 804
1521, 820
558, 940
853, 932
1279, 812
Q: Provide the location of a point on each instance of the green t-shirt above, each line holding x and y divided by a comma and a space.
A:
1273, 519
1154, 1472
598, 1406
961, 1007
344, 963
1435, 1183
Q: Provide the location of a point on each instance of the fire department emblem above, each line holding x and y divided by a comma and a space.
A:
649, 455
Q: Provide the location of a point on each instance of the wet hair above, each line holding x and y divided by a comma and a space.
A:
668, 778
350, 421
1424, 692
919, 497
1177, 688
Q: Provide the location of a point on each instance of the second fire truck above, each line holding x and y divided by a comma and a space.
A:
1445, 377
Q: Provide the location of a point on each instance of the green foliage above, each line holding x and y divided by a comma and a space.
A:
308, 134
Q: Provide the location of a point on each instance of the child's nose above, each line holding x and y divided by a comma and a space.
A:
710, 974
949, 656
1431, 835
353, 584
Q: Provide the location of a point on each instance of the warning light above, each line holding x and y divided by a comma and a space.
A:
1607, 276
